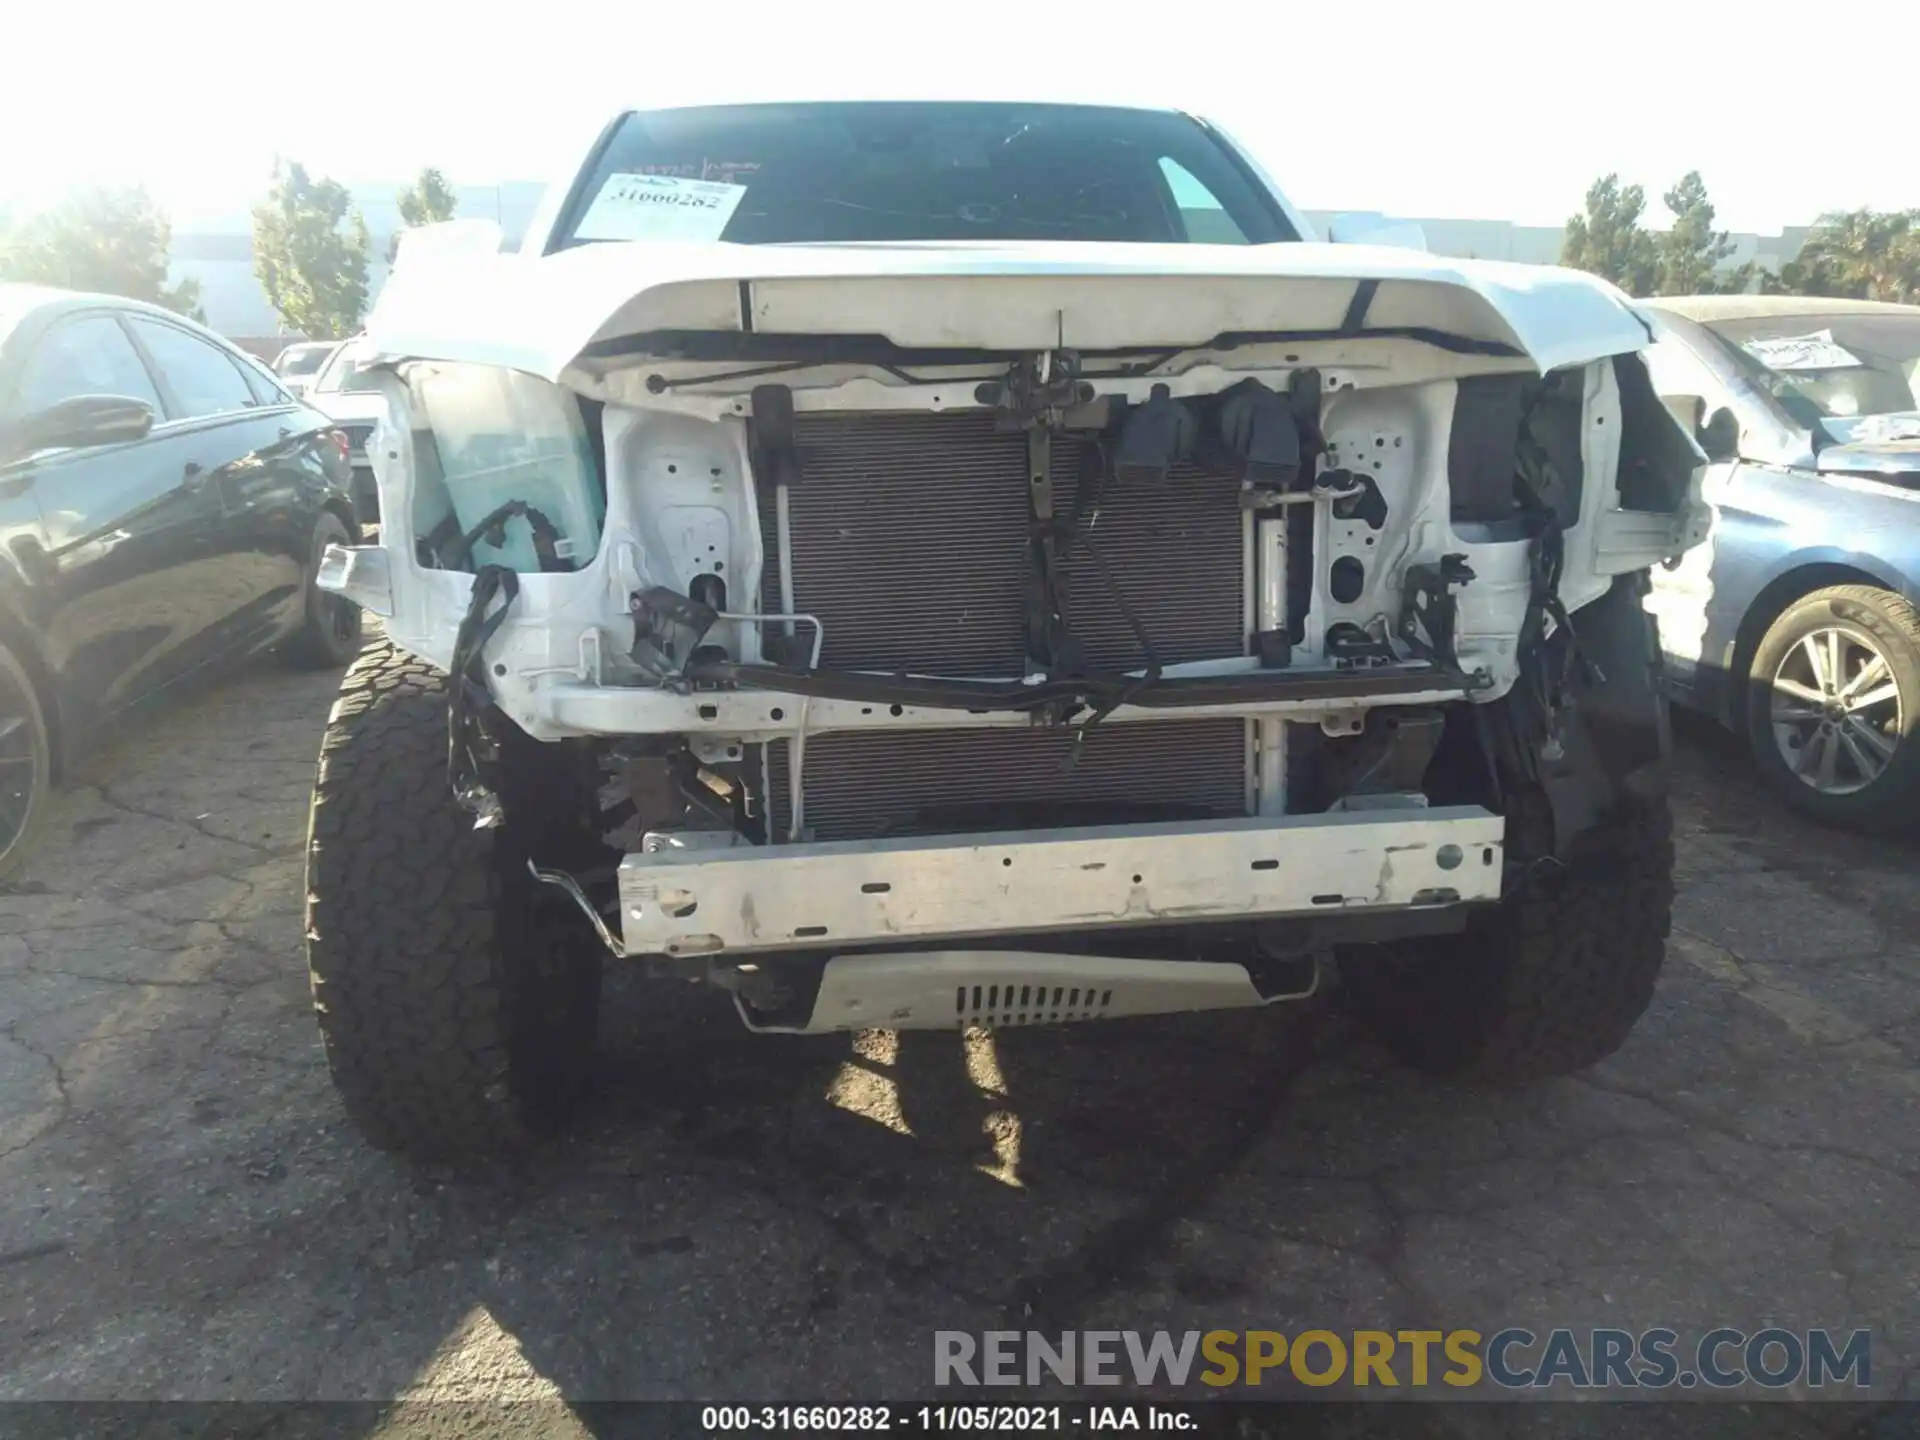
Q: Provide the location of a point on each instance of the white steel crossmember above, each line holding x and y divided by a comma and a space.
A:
821, 896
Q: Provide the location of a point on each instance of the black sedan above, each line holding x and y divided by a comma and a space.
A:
164, 503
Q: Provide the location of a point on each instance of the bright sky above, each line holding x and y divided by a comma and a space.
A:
1465, 109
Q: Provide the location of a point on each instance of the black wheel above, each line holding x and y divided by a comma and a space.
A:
26, 761
456, 1012
1833, 697
1550, 981
330, 632
366, 497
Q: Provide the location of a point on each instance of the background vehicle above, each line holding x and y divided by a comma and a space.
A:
300, 362
165, 505
1795, 623
340, 390
904, 619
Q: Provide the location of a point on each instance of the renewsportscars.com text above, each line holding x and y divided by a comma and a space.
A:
1513, 1359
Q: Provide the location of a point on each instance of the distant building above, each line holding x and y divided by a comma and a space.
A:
218, 252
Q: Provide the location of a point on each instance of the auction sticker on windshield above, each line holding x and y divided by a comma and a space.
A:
659, 207
1781, 353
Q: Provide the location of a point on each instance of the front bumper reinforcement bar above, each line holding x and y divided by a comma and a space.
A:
845, 893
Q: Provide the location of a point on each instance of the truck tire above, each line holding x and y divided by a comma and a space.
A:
1842, 749
456, 1014
1548, 982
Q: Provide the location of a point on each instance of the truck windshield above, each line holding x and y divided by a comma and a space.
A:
782, 174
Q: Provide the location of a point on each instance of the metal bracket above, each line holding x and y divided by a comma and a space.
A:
560, 880
1428, 610
1037, 391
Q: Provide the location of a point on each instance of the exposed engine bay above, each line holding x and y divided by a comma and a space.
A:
1088, 656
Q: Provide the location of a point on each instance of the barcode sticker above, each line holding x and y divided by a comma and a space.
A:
659, 207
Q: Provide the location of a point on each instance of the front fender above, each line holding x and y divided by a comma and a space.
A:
1897, 573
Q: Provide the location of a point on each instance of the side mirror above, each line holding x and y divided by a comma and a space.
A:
77, 423
1720, 436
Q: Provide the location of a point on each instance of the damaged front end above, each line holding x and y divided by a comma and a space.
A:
941, 671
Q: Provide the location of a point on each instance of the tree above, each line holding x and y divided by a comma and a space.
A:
427, 201
1849, 255
1869, 254
310, 253
1607, 239
1690, 253
115, 242
1799, 276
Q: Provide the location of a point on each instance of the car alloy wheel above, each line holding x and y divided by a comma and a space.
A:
1837, 711
19, 767
25, 768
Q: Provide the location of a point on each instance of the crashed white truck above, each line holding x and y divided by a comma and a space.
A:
932, 566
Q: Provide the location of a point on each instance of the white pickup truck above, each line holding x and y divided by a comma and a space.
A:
938, 565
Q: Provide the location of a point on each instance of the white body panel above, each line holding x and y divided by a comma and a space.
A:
681, 482
450, 299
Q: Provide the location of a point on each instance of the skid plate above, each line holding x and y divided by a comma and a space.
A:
825, 896
1000, 989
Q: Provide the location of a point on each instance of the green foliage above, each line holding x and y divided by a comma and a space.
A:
113, 242
1867, 254
1690, 253
427, 201
1848, 255
1606, 238
310, 254
1854, 254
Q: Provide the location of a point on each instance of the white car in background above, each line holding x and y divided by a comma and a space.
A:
297, 365
342, 391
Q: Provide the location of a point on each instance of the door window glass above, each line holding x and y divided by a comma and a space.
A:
87, 356
1205, 218
266, 390
201, 377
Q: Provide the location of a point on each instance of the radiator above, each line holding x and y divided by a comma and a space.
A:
909, 540
863, 784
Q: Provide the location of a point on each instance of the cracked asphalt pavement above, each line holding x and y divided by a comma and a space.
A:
184, 1212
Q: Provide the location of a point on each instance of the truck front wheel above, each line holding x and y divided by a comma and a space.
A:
457, 1012
1550, 981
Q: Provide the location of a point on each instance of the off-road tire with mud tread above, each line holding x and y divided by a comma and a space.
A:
455, 1018
1550, 981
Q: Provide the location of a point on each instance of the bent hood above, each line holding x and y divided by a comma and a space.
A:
456, 301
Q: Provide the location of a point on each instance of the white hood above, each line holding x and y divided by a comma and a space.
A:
459, 301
